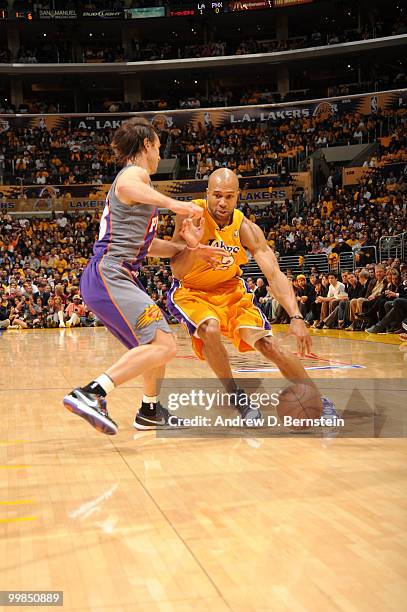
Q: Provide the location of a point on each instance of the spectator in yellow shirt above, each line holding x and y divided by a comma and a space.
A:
61, 265
326, 209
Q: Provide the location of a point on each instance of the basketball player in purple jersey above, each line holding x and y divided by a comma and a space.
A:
109, 283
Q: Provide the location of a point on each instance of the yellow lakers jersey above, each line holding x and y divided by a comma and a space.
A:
203, 275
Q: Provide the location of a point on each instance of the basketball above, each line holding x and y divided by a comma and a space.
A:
299, 401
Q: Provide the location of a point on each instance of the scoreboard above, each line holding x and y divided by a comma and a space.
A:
198, 8
23, 14
212, 7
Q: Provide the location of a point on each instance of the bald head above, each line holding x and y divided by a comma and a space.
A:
223, 178
222, 195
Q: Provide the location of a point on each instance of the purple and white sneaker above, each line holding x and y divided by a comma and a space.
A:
92, 408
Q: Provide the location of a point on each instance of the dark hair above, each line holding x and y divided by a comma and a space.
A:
128, 140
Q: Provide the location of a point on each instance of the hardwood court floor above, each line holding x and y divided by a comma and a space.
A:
137, 522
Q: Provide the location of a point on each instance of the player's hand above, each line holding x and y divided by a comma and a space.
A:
191, 233
211, 255
304, 342
186, 208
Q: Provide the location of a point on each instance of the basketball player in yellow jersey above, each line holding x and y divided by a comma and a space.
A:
213, 301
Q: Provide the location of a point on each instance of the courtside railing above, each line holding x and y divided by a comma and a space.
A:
304, 264
347, 261
296, 264
393, 247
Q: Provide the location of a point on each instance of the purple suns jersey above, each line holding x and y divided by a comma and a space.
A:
125, 232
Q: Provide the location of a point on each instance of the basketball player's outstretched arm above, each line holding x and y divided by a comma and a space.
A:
252, 237
164, 248
133, 187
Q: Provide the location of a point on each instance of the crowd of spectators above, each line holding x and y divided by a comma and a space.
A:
341, 220
152, 51
262, 147
73, 156
217, 94
372, 299
41, 259
60, 156
45, 53
41, 106
139, 50
32, 105
42, 290
107, 53
5, 55
264, 93
374, 296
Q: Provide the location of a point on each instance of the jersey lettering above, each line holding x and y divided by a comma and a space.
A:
103, 221
205, 276
153, 225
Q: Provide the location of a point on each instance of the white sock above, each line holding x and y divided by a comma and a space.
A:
105, 382
150, 399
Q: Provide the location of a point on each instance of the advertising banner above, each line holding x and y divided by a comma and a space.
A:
238, 116
145, 13
249, 5
57, 14
102, 14
284, 3
353, 175
33, 198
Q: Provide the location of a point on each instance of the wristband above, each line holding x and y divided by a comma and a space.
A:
301, 318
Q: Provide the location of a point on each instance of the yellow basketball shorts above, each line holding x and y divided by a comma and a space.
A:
232, 305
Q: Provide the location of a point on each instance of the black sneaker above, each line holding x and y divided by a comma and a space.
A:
248, 414
92, 408
155, 416
374, 329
